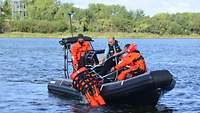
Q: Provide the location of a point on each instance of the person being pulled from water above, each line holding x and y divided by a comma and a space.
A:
78, 50
87, 84
132, 61
112, 48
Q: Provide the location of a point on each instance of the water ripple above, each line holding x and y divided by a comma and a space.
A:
27, 65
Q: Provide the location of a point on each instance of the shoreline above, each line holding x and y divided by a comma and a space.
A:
97, 35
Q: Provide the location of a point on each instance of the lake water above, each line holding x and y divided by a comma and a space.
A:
27, 65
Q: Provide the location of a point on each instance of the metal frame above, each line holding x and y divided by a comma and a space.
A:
66, 61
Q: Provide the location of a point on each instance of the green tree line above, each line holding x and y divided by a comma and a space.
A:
48, 16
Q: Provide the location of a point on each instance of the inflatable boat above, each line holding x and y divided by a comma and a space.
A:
145, 89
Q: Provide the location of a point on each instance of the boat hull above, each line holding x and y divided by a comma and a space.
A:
145, 89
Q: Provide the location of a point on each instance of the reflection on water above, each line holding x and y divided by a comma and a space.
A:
78, 108
26, 66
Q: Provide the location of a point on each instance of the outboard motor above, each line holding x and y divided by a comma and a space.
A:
90, 58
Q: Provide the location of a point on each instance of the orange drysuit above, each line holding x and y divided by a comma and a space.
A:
135, 63
78, 50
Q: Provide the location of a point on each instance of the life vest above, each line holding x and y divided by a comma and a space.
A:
78, 50
132, 64
113, 49
138, 62
132, 60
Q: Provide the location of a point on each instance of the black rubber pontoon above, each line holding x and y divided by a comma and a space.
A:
144, 89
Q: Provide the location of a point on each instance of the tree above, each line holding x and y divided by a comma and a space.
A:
184, 20
1, 17
174, 28
42, 9
7, 9
195, 25
49, 16
5, 16
159, 23
142, 25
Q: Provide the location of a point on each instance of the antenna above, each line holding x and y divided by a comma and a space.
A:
71, 14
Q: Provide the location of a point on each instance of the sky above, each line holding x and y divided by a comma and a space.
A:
150, 7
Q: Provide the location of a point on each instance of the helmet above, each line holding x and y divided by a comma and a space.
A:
131, 48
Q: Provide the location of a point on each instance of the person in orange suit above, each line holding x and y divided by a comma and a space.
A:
132, 61
85, 83
78, 50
